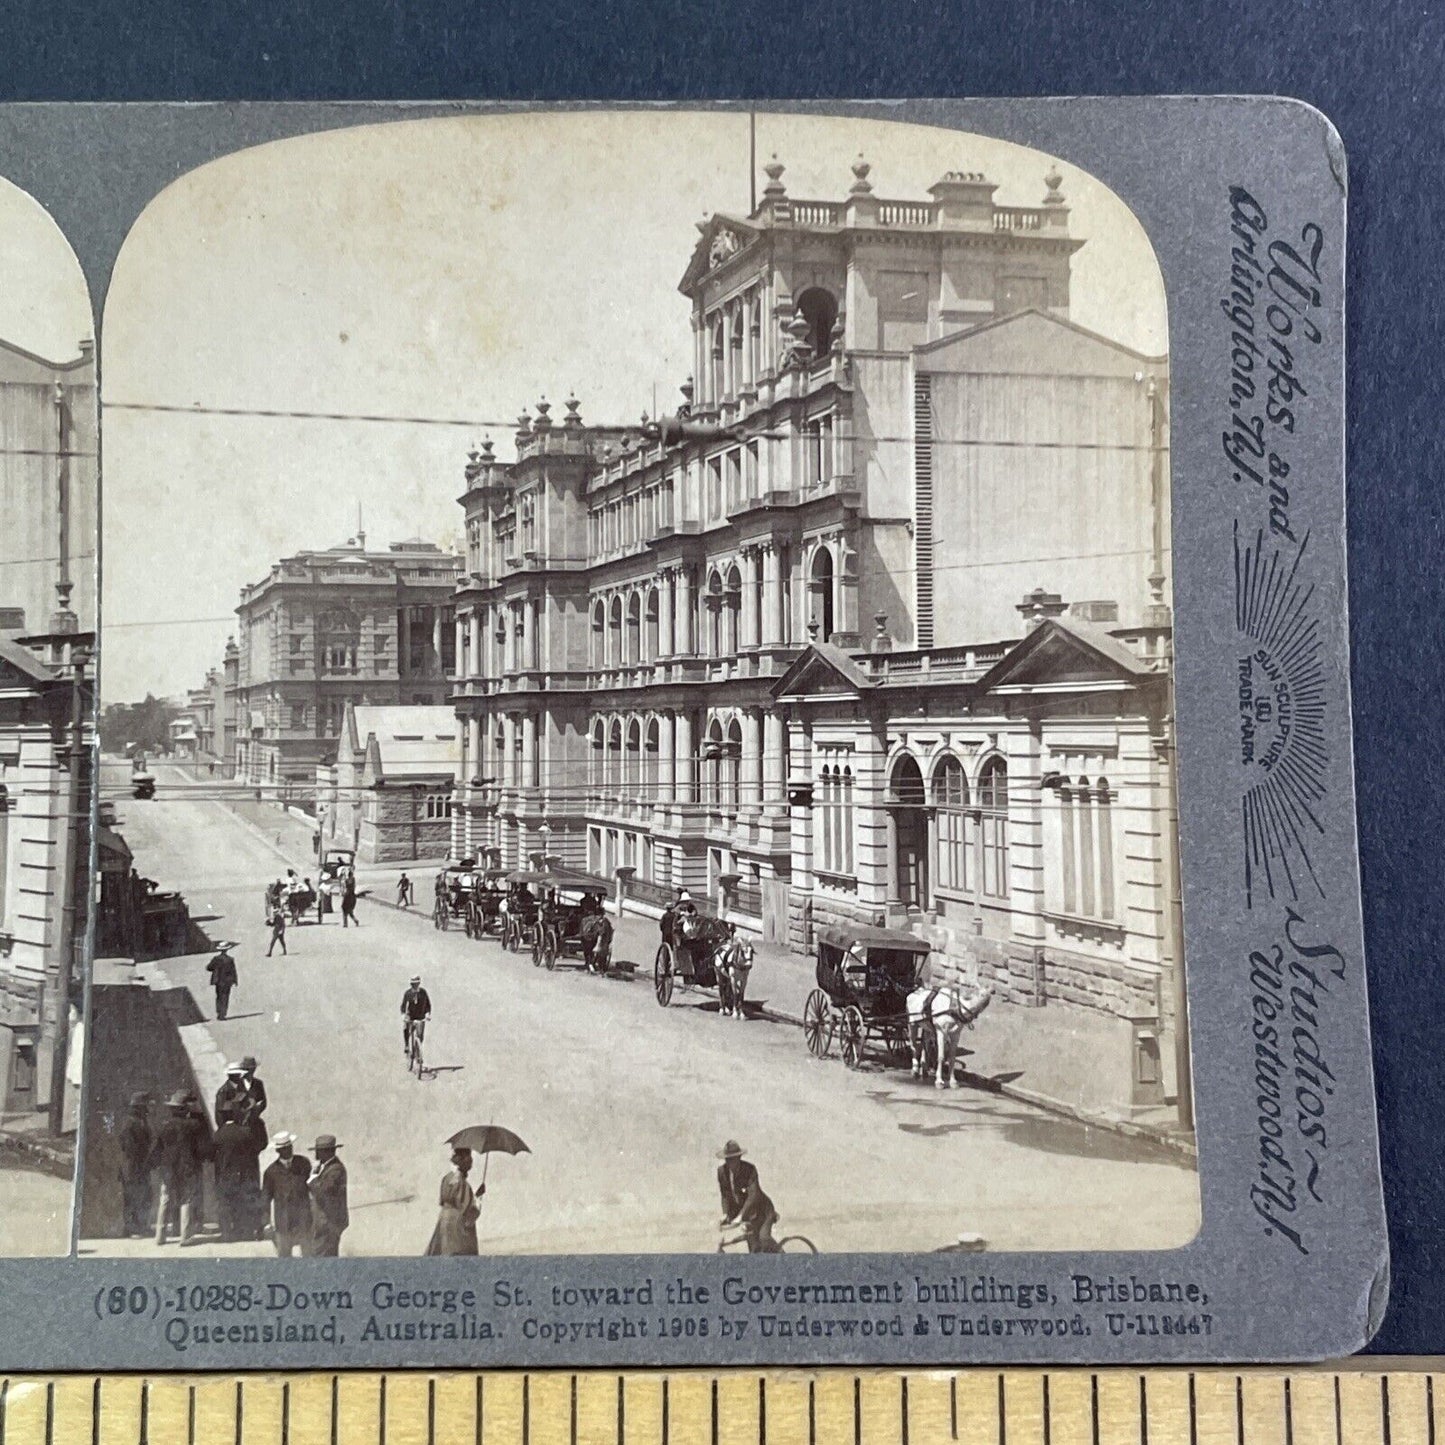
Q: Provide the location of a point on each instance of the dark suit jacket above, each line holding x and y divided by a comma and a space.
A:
181, 1147
136, 1143
328, 1200
222, 969
235, 1093
284, 1185
743, 1199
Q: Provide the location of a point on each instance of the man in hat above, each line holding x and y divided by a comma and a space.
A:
287, 1198
348, 899
181, 1148
255, 1089
329, 1217
231, 1094
237, 1151
743, 1200
136, 1142
415, 1011
278, 930
403, 891
222, 969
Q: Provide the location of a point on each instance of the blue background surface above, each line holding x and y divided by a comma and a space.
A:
1376, 70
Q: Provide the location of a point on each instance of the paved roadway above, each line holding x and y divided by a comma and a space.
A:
624, 1105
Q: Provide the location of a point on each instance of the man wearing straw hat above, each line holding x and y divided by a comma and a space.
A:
329, 1216
287, 1198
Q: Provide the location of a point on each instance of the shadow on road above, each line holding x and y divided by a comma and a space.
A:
236, 1018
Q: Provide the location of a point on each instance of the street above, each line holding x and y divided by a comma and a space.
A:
625, 1106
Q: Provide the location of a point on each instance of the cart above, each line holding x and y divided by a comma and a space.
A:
336, 863
864, 977
521, 907
694, 945
573, 923
484, 902
454, 890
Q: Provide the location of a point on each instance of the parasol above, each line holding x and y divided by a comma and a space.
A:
488, 1139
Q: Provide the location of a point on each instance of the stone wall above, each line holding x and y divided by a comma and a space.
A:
389, 835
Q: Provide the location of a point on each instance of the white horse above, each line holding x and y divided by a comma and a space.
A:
732, 963
947, 1009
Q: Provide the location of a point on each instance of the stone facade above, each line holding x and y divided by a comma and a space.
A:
330, 628
874, 628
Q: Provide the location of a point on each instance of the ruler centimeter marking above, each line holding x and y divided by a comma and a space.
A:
1391, 1404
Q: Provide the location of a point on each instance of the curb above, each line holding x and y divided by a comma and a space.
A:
1183, 1148
47, 1157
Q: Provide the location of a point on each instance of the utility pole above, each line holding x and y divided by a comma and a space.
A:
72, 868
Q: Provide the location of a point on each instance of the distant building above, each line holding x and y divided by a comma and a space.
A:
325, 629
226, 708
388, 795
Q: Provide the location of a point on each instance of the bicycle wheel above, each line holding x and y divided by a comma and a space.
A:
796, 1244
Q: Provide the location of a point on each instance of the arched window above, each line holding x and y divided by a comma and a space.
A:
339, 633
950, 802
820, 311
734, 601
715, 614
653, 638
732, 757
614, 632
820, 584
614, 759
632, 777
715, 349
597, 757
908, 805
993, 827
599, 634
1087, 901
634, 630
649, 761
1069, 848
713, 760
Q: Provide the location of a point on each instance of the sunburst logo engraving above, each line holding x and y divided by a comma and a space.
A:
1282, 753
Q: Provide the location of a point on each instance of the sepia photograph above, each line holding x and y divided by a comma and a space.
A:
637, 702
47, 698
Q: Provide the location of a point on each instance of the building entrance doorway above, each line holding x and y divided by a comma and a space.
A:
910, 835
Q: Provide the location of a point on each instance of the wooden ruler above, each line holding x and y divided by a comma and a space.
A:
1393, 1404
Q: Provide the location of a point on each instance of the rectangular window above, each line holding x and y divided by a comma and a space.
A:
735, 480
714, 489
750, 478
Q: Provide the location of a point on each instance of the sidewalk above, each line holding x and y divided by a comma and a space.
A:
1040, 1057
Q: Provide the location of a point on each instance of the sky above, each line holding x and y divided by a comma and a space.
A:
441, 271
44, 302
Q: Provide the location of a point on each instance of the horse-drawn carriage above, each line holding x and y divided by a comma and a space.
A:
454, 891
572, 922
873, 990
521, 907
336, 865
699, 950
484, 902
864, 977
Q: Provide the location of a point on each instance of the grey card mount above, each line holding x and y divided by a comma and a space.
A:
723, 736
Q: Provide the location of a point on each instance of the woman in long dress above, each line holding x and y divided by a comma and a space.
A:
456, 1229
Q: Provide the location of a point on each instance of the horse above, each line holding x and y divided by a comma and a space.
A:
947, 1009
594, 933
732, 963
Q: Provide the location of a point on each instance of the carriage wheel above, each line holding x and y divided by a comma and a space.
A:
662, 975
549, 948
538, 933
512, 936
850, 1034
818, 1024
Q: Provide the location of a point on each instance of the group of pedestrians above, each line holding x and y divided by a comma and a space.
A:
301, 1205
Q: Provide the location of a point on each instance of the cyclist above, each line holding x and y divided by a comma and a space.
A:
744, 1202
415, 1011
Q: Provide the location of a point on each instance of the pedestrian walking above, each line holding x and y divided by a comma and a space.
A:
237, 1154
180, 1149
137, 1139
348, 900
329, 1217
222, 969
287, 1198
278, 931
403, 891
456, 1226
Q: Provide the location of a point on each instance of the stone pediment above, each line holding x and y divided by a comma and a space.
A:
823, 671
19, 668
722, 238
1060, 653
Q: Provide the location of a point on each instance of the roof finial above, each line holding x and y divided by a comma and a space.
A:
774, 189
1054, 197
861, 185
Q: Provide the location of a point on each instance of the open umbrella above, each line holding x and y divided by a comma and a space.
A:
488, 1139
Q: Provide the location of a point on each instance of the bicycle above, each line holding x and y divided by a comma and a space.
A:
415, 1029
788, 1244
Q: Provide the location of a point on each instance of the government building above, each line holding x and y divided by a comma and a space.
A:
874, 627
325, 629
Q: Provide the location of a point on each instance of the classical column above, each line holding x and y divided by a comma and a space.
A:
750, 617
509, 772
531, 772
436, 637
774, 783
772, 596
685, 763
683, 638
478, 626
666, 762
750, 779
403, 641
459, 645
666, 642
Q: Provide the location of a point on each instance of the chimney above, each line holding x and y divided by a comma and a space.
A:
1038, 606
